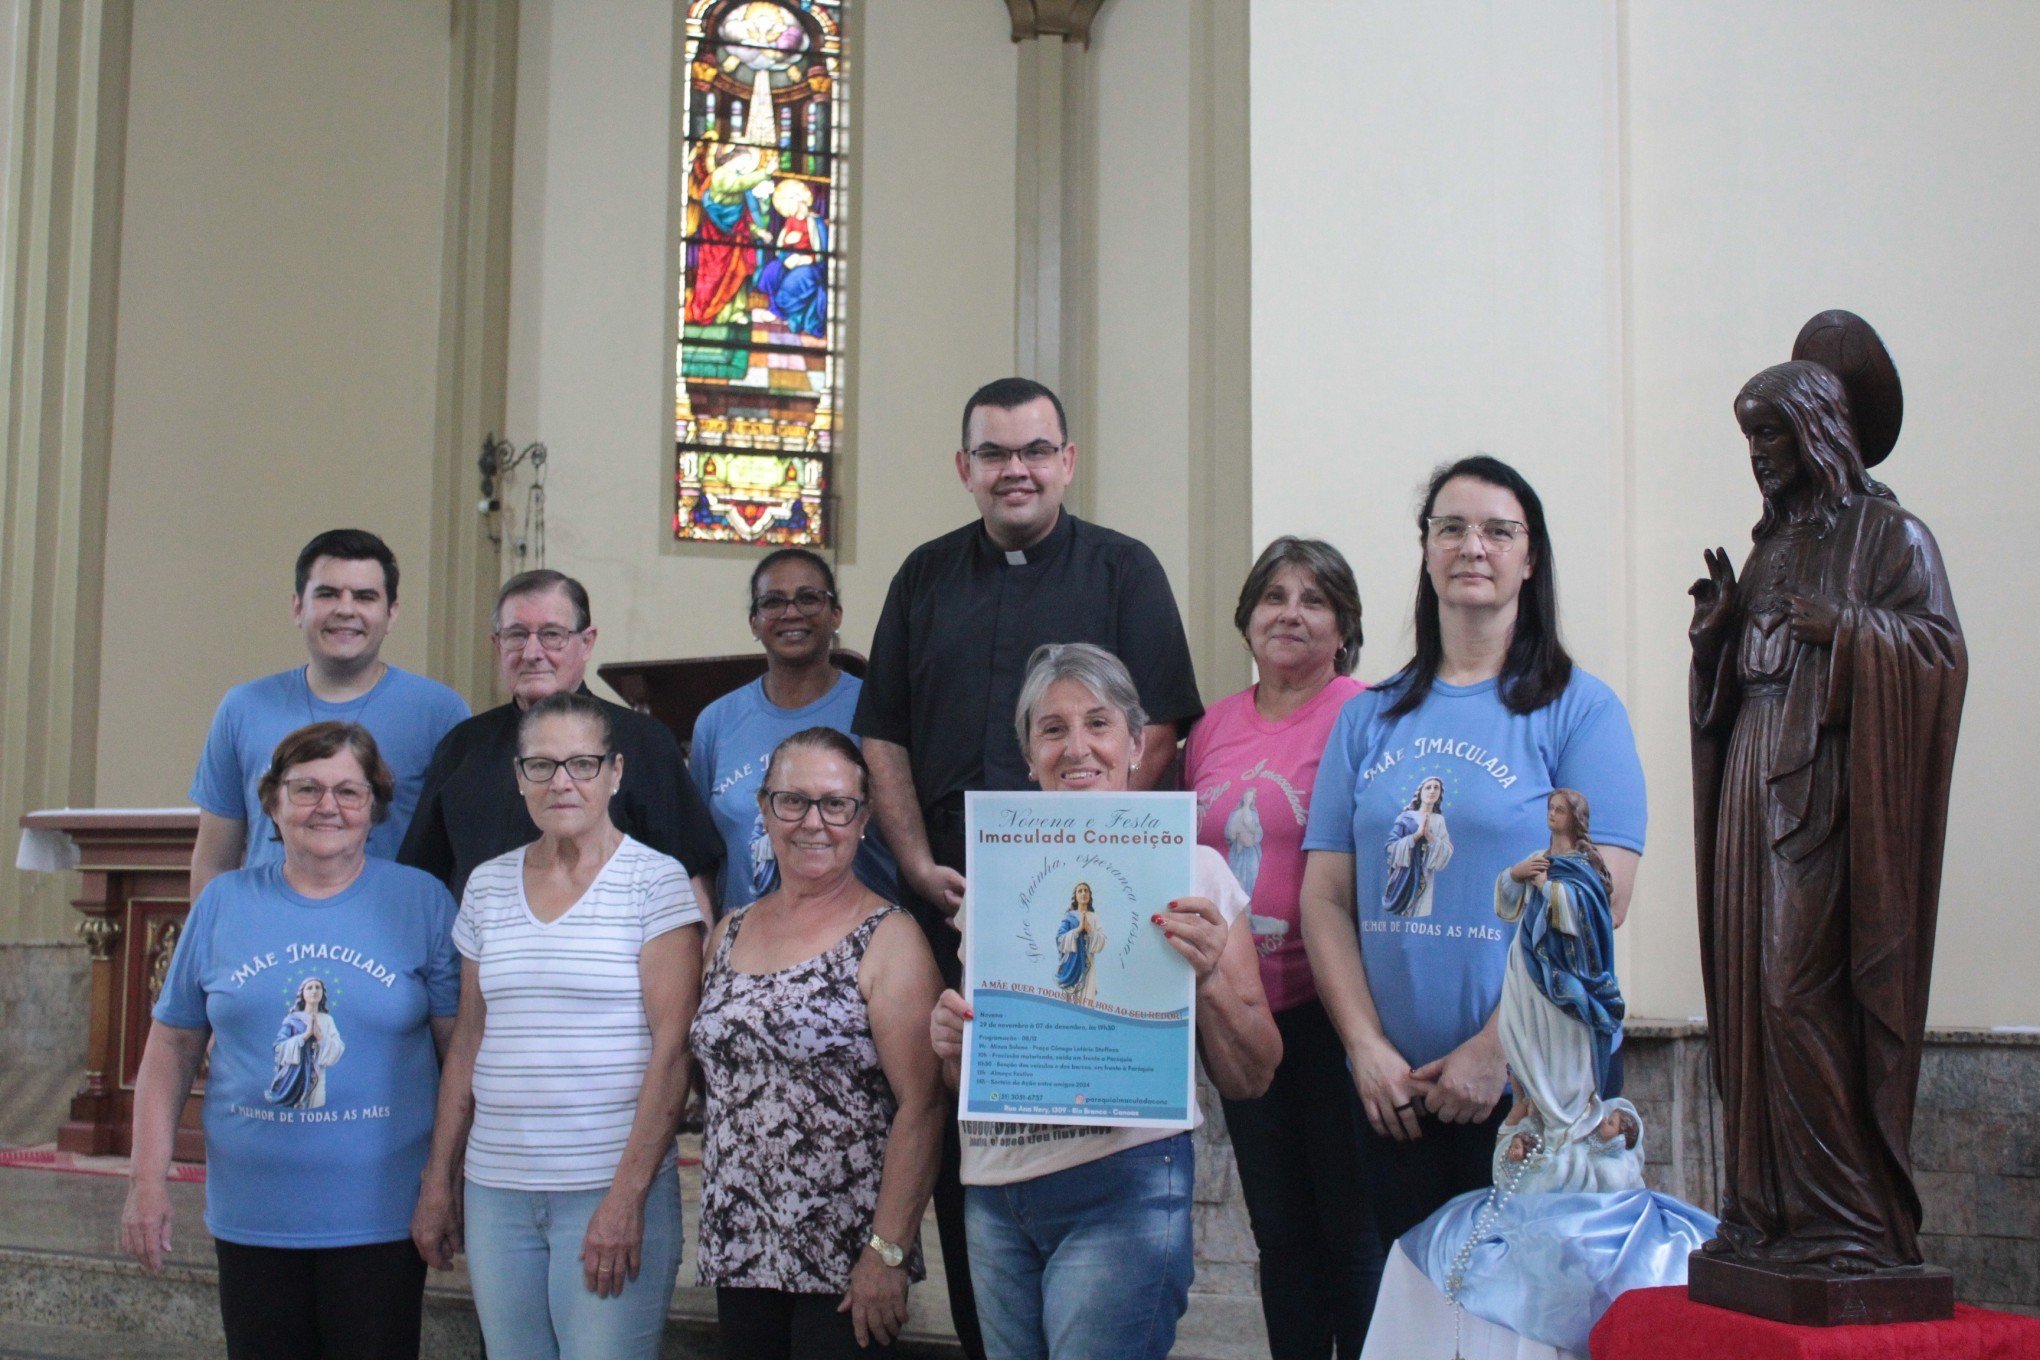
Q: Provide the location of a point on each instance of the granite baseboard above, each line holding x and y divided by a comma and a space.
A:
45, 1008
1976, 1145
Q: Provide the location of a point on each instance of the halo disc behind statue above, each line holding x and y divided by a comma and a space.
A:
1844, 343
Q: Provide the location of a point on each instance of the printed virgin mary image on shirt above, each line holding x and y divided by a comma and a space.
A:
307, 1043
1418, 847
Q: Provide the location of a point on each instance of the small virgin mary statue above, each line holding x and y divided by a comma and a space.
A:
1568, 1224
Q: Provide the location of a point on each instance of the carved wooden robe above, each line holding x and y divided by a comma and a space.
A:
1821, 780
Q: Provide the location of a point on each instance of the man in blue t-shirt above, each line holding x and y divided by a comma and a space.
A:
344, 603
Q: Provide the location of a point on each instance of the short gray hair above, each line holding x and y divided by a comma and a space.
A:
1091, 666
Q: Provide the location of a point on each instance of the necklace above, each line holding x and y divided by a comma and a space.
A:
360, 705
1483, 1223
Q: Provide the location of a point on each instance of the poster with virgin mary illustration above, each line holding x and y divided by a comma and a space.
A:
1083, 1013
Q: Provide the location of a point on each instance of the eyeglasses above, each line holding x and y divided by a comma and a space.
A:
1449, 531
1036, 454
540, 769
552, 637
836, 809
805, 601
310, 793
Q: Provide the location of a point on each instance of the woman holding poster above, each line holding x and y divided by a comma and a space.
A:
1482, 724
1080, 1235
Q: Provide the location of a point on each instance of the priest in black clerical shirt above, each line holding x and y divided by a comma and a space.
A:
471, 809
964, 613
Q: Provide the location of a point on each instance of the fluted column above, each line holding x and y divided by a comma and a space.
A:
474, 330
59, 283
1055, 200
1221, 312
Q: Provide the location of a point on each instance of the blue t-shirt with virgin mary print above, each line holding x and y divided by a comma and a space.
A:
324, 1078
1432, 806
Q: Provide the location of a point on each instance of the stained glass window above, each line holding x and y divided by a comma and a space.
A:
760, 357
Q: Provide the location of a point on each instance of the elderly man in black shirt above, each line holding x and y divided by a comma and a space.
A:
964, 613
471, 809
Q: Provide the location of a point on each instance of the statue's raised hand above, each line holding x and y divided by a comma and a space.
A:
1713, 604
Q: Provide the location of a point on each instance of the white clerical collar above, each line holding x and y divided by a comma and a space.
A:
1020, 557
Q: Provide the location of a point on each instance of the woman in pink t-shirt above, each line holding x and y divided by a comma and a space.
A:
1252, 760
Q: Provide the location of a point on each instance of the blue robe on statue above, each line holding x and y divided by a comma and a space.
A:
1573, 1225
1070, 972
1551, 1263
1576, 972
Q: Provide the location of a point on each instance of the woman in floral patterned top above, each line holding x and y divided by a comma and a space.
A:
824, 1099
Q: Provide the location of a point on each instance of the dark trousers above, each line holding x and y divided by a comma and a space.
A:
771, 1324
945, 840
1408, 1181
321, 1303
1299, 1159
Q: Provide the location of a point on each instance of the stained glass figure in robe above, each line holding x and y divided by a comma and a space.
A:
758, 371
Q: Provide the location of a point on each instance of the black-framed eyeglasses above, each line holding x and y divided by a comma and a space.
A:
805, 601
552, 637
580, 769
310, 793
1036, 454
1449, 531
837, 809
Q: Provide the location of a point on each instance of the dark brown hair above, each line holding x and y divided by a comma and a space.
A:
348, 545
820, 739
1576, 808
316, 742
1537, 668
1010, 394
807, 555
1812, 400
1334, 576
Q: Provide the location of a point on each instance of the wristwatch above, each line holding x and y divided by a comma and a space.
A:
892, 1253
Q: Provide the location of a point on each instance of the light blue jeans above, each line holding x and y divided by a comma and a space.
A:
1092, 1263
524, 1259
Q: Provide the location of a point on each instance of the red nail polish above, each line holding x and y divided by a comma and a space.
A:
1156, 918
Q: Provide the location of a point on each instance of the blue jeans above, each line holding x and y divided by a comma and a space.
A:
524, 1260
1092, 1263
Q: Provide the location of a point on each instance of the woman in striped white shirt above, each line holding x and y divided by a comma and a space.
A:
580, 969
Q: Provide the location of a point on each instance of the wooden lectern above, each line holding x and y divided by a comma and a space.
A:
675, 692
134, 892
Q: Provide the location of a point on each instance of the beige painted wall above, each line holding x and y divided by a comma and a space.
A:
593, 268
277, 345
1787, 159
1567, 238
